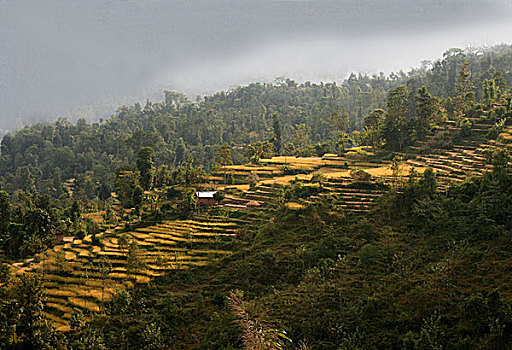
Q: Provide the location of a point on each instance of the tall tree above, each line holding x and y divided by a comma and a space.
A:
491, 91
24, 179
146, 166
465, 91
181, 152
5, 212
426, 111
33, 331
224, 159
371, 134
395, 126
257, 150
300, 140
375, 118
339, 122
189, 174
126, 186
277, 138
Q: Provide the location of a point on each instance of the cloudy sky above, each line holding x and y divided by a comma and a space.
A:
72, 57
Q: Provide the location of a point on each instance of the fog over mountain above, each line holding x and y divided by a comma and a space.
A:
84, 58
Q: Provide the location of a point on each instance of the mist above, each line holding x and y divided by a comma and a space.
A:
85, 58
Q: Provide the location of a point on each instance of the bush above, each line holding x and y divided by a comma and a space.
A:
444, 140
253, 179
173, 192
359, 153
317, 177
297, 191
496, 129
322, 148
219, 196
290, 171
96, 241
466, 127
359, 175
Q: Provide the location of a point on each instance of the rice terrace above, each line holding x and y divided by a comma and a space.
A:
256, 175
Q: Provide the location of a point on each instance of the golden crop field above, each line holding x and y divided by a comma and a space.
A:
74, 276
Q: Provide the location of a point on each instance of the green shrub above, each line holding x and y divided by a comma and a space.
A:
359, 175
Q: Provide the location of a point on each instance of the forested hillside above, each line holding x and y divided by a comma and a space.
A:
371, 214
300, 115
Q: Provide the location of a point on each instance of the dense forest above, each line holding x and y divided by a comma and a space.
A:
426, 267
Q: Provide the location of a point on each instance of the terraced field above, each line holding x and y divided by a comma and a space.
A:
84, 275
337, 183
281, 169
465, 157
457, 163
349, 198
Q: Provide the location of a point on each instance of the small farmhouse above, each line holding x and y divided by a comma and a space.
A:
206, 198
